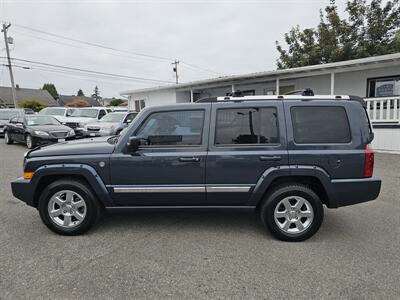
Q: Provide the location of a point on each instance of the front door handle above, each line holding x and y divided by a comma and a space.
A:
189, 159
270, 158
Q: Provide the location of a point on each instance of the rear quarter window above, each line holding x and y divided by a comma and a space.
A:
320, 125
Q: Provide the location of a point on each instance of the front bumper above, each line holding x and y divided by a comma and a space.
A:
353, 191
22, 189
44, 140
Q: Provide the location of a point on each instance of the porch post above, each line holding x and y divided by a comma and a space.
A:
191, 96
233, 88
332, 83
277, 86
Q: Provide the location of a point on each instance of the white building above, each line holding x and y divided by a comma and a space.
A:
377, 79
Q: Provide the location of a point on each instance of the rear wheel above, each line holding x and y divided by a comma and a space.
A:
29, 141
292, 212
7, 138
68, 207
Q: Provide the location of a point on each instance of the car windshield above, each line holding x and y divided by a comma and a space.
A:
7, 114
86, 113
113, 117
41, 120
52, 112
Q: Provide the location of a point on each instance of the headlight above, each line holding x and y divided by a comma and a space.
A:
71, 132
41, 133
82, 124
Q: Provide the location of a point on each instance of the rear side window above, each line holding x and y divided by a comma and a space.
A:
320, 125
246, 126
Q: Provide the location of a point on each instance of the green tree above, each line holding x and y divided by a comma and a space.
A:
51, 88
33, 104
80, 93
116, 102
96, 94
370, 29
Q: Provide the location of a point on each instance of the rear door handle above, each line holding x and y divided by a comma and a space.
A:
189, 159
270, 158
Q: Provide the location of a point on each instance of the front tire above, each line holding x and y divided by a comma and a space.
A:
7, 138
292, 212
29, 141
68, 207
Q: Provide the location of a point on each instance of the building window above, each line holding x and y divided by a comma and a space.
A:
384, 86
139, 105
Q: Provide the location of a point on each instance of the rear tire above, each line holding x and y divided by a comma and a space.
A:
292, 212
68, 207
7, 138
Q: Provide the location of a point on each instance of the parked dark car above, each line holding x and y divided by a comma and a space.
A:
34, 130
283, 156
6, 114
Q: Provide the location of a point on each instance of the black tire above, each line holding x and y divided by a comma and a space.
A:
93, 208
30, 144
7, 138
274, 198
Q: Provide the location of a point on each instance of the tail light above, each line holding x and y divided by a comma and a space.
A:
368, 161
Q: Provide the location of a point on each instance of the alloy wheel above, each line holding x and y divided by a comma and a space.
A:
67, 209
293, 215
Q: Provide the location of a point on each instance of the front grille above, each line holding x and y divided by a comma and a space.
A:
59, 134
72, 125
1, 126
93, 128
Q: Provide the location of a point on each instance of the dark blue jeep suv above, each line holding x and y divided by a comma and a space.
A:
285, 156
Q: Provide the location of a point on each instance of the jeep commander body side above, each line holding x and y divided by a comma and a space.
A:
285, 156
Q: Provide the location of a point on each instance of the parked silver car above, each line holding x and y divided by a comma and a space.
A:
111, 124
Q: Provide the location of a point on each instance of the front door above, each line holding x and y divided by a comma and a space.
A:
245, 141
169, 168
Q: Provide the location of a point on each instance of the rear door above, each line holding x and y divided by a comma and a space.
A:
245, 140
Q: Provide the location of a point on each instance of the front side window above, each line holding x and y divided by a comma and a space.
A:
247, 126
320, 125
173, 128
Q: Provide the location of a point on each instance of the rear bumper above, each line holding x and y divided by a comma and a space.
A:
353, 191
22, 189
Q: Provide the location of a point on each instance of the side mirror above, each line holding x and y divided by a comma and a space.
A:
129, 121
20, 124
133, 144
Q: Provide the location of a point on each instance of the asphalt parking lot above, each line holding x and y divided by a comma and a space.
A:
201, 254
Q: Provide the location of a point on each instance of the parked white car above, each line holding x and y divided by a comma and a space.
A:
80, 117
62, 114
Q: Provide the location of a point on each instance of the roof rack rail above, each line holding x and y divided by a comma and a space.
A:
305, 92
207, 100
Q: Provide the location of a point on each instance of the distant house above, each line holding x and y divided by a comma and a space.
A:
107, 101
6, 99
64, 100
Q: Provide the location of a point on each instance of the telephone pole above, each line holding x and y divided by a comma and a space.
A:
4, 30
175, 69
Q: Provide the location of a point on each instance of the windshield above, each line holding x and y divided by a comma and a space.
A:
113, 117
86, 113
41, 120
52, 112
7, 114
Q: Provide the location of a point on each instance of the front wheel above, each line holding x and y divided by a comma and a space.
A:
68, 207
292, 212
29, 141
7, 138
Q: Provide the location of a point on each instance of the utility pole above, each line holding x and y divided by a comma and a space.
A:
4, 30
175, 69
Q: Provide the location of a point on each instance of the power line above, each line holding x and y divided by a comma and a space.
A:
115, 49
91, 71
